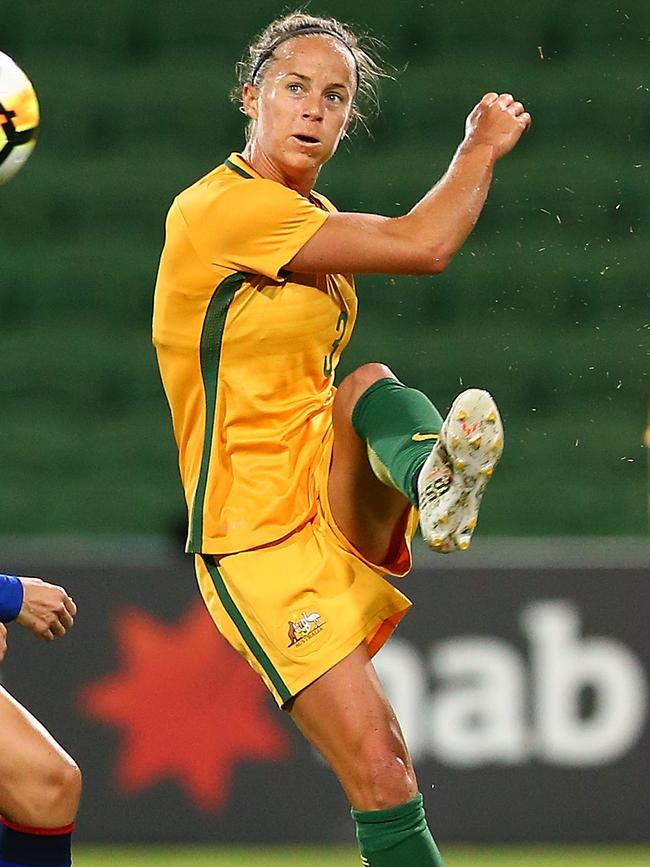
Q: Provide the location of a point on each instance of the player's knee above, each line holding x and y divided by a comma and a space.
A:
386, 778
355, 383
56, 795
70, 783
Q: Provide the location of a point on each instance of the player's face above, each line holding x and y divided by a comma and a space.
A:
304, 104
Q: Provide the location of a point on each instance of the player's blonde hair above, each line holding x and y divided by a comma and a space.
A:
369, 69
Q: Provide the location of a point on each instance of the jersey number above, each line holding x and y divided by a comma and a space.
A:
328, 361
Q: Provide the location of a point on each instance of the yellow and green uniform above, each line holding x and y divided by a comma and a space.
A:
247, 353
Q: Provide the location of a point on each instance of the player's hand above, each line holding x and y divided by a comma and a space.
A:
497, 120
47, 610
3, 641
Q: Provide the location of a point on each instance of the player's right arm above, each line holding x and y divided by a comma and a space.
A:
424, 240
3, 641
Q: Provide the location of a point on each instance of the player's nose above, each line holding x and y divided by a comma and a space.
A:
311, 110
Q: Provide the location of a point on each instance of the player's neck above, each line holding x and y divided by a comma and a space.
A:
267, 167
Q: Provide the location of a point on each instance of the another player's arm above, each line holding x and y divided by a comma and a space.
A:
46, 610
424, 240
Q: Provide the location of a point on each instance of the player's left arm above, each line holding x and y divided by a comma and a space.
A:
424, 240
46, 610
3, 641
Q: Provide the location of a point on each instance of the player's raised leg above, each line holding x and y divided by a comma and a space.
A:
40, 786
361, 740
391, 448
375, 457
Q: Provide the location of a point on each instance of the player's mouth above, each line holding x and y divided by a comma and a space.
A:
308, 141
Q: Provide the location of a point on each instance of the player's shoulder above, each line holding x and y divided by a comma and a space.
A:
234, 194
322, 201
229, 189
207, 188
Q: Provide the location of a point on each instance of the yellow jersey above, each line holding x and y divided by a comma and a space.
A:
247, 352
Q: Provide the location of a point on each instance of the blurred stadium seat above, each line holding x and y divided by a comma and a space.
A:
546, 305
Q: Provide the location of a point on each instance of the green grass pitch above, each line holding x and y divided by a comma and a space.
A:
299, 856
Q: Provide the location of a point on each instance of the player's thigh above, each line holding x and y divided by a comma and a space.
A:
29, 755
369, 513
347, 717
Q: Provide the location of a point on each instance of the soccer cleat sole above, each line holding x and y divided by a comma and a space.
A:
454, 478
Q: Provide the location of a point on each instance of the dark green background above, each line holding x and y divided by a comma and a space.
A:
547, 305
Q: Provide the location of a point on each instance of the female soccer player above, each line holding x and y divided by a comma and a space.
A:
40, 784
302, 497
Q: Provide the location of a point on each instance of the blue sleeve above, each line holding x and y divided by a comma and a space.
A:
11, 597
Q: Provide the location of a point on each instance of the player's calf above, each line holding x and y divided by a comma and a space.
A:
34, 847
39, 830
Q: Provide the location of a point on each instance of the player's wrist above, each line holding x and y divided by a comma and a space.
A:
476, 148
11, 597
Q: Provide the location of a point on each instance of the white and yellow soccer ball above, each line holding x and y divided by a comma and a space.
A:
19, 117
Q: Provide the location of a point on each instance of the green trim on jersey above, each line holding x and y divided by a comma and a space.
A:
211, 339
237, 169
244, 630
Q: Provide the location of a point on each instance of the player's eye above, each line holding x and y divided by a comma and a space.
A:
334, 97
294, 87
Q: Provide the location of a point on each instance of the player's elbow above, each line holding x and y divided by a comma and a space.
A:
439, 261
432, 259
425, 254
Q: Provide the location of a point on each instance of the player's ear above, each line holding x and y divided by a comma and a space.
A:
352, 116
249, 96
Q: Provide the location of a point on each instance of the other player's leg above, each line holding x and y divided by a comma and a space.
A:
40, 787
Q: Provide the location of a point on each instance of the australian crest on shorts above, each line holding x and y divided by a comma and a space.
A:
304, 627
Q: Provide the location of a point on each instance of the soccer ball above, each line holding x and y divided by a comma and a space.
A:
18, 118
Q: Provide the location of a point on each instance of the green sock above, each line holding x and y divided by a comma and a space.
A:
400, 426
397, 837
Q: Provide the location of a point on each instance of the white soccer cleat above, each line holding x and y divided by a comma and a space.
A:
454, 476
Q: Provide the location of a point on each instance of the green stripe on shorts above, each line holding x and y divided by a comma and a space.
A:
253, 644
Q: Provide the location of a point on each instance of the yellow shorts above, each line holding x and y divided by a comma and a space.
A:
296, 607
